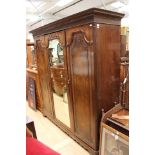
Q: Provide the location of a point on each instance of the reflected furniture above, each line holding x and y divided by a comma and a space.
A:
58, 77
78, 60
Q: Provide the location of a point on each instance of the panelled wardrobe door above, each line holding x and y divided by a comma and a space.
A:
80, 61
59, 78
44, 76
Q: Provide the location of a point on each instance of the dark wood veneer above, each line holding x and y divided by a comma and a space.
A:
91, 46
45, 79
79, 59
85, 17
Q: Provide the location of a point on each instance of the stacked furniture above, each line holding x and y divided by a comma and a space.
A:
88, 44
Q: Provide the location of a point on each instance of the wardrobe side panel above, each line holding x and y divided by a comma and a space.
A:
107, 65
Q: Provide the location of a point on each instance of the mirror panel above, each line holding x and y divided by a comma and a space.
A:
55, 52
59, 82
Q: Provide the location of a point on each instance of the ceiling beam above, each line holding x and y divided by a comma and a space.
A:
67, 7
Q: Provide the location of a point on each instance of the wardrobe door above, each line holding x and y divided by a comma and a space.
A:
81, 62
44, 76
59, 78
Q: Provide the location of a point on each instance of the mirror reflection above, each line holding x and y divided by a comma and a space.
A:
59, 81
55, 52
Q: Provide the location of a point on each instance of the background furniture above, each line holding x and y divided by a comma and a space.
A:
124, 67
114, 131
31, 54
90, 51
124, 82
32, 94
32, 74
30, 126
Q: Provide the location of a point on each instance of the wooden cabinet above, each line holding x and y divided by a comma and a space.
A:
31, 55
89, 43
113, 142
114, 131
124, 81
33, 74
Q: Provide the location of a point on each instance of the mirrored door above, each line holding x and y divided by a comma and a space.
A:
59, 80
